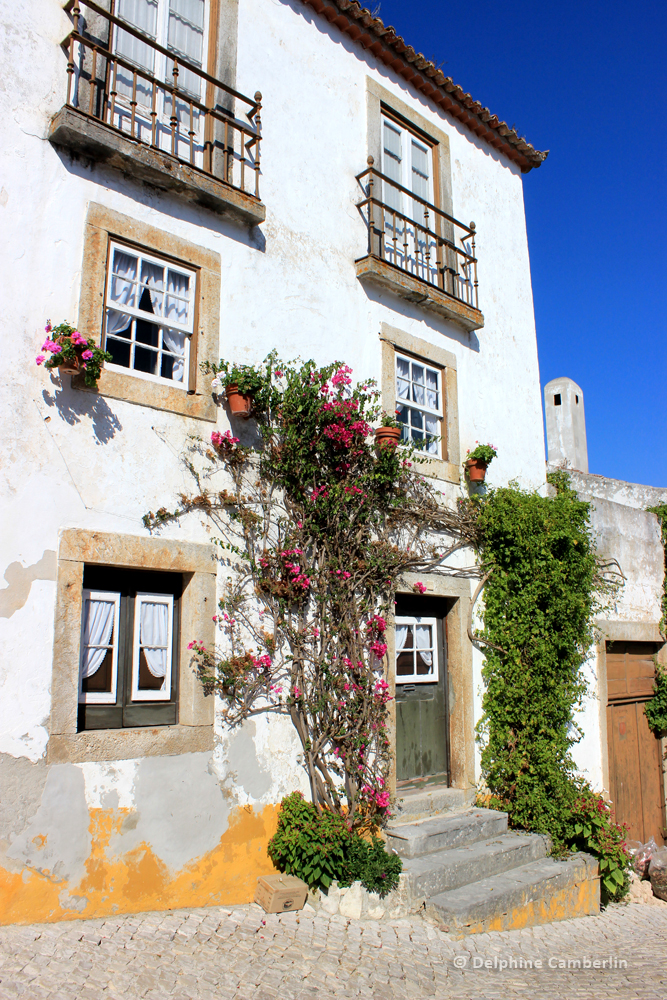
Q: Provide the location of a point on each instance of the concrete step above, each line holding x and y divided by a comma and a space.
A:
441, 871
430, 800
536, 893
409, 840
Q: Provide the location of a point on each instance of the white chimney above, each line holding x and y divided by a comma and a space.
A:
566, 425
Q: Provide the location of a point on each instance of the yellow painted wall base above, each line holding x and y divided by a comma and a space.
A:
138, 880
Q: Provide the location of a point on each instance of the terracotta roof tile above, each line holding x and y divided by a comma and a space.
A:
370, 32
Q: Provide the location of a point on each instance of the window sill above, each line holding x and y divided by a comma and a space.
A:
379, 272
144, 392
127, 744
89, 137
438, 468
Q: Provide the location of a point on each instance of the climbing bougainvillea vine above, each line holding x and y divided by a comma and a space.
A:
318, 526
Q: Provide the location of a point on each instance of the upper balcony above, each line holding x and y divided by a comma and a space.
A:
151, 112
418, 251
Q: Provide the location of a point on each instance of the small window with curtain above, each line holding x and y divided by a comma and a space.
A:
129, 653
419, 403
149, 315
416, 650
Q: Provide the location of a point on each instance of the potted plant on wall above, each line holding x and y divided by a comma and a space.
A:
478, 460
72, 353
389, 433
240, 383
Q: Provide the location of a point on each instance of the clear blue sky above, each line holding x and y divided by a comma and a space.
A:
586, 80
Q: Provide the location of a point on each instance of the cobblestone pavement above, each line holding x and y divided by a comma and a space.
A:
248, 955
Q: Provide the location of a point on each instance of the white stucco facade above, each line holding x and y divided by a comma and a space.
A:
78, 460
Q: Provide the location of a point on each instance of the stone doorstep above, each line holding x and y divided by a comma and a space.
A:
447, 831
441, 871
425, 802
535, 893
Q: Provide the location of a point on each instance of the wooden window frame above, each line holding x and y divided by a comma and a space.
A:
190, 355
416, 678
440, 415
131, 707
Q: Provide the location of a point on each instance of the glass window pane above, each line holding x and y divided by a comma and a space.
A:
403, 367
145, 360
152, 278
392, 141
403, 388
417, 419
432, 424
419, 158
417, 373
178, 297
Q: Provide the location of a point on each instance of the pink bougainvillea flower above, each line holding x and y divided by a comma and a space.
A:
419, 587
39, 360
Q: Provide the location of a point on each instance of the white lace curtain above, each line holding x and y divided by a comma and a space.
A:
154, 634
175, 307
97, 632
423, 642
401, 637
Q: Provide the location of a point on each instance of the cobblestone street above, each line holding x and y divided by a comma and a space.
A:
248, 955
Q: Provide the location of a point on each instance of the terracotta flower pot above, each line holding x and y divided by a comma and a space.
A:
71, 366
387, 437
476, 470
239, 404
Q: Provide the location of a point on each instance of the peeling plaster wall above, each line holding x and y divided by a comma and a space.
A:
98, 837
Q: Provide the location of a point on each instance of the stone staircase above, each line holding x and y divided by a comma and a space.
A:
472, 875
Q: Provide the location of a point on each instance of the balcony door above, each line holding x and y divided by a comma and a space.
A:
407, 162
181, 27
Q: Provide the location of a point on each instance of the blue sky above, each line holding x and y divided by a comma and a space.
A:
586, 80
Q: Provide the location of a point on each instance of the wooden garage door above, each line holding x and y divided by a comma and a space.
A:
635, 758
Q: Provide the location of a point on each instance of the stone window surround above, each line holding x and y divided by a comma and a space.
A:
378, 271
459, 676
194, 730
378, 99
101, 226
392, 339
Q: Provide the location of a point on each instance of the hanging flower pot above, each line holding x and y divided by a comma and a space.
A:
240, 405
72, 353
69, 358
387, 437
476, 470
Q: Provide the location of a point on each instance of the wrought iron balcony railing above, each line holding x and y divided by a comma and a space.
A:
121, 77
418, 238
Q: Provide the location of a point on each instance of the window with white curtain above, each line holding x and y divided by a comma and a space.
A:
151, 652
149, 315
416, 650
99, 647
128, 648
419, 403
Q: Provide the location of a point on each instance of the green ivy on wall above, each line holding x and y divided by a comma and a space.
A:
539, 603
656, 708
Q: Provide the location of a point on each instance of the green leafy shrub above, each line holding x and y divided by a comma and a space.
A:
319, 848
656, 708
595, 831
368, 862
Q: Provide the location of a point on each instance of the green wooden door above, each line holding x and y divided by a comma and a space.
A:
421, 703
